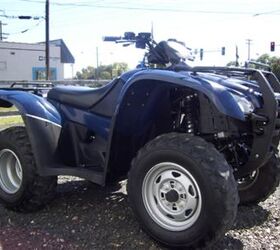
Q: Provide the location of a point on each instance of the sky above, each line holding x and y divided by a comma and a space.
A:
199, 23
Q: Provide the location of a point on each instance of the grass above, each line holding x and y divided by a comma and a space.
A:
13, 108
10, 120
7, 121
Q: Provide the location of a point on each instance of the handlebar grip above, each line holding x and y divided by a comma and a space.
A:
111, 38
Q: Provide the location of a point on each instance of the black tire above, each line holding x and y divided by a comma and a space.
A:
261, 185
34, 191
211, 177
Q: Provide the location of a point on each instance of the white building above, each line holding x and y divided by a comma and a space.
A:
24, 61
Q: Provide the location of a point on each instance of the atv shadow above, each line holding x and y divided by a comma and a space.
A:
227, 242
87, 216
250, 216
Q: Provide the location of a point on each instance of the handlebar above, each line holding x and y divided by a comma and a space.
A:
141, 40
111, 38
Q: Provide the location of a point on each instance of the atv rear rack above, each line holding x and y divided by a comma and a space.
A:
36, 88
29, 86
265, 121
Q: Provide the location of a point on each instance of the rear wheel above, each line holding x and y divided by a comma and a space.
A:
21, 188
260, 184
182, 191
10, 171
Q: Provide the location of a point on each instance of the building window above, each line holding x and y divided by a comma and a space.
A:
39, 73
3, 66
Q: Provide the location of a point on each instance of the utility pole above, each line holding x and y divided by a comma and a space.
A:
97, 64
249, 42
47, 41
236, 56
1, 31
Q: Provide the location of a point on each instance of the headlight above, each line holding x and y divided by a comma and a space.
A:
245, 105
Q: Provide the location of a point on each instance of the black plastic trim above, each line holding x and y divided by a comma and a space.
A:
263, 142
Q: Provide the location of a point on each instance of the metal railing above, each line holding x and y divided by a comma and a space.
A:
89, 83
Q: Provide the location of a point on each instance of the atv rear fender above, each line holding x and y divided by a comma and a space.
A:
42, 121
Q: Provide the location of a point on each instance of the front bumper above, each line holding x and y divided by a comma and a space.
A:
265, 124
265, 121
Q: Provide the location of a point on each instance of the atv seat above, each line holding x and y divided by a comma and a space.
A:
81, 97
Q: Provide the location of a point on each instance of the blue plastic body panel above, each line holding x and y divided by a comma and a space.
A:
43, 125
100, 125
32, 105
220, 95
47, 118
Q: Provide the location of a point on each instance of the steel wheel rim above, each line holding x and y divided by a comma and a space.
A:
248, 181
171, 196
10, 171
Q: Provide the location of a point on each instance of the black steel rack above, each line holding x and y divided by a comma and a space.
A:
267, 119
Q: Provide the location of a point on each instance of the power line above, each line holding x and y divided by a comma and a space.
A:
266, 13
22, 17
28, 29
81, 4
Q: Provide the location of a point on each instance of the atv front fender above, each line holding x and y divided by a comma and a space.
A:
217, 94
144, 111
42, 121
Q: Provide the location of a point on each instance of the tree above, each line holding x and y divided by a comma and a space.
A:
86, 73
105, 75
119, 68
104, 72
273, 62
231, 63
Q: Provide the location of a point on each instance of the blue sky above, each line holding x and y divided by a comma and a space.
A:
200, 23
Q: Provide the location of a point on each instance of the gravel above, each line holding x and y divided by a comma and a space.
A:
86, 216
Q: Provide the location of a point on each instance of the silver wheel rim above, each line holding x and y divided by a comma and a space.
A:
10, 171
248, 181
171, 196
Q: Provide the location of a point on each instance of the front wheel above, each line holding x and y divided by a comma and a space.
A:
260, 184
182, 191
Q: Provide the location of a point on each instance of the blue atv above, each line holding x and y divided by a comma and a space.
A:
194, 142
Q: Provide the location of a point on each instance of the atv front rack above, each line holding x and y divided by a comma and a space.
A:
264, 78
265, 121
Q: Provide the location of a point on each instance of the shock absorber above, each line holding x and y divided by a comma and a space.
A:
188, 119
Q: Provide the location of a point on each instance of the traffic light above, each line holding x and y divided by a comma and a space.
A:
272, 46
223, 51
201, 54
25, 17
